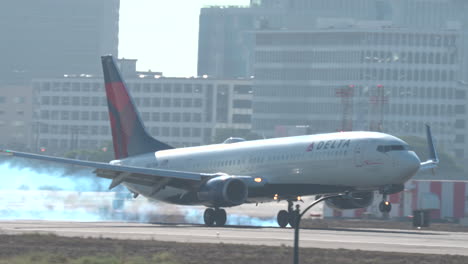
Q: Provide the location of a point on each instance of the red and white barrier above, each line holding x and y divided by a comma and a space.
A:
449, 199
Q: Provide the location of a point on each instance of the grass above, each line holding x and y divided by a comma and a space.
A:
41, 249
48, 258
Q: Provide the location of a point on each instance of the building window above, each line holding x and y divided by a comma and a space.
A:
156, 102
155, 117
146, 102
167, 88
186, 117
459, 123
95, 116
75, 115
198, 102
85, 101
247, 104
198, 88
166, 117
187, 102
176, 132
95, 101
146, 116
75, 100
45, 100
104, 130
238, 118
165, 131
64, 115
196, 132
85, 115
156, 88
459, 139
197, 117
176, 117
105, 116
177, 102
177, 88
166, 102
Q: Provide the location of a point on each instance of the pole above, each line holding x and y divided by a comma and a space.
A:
298, 222
296, 235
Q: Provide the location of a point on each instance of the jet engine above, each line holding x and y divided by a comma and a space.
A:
353, 201
223, 191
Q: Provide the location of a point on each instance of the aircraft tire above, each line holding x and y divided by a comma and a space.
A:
292, 218
209, 217
385, 207
282, 218
220, 217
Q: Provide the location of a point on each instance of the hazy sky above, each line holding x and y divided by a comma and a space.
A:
163, 35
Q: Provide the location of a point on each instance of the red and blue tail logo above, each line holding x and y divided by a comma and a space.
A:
128, 132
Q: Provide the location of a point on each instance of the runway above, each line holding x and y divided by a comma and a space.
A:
411, 241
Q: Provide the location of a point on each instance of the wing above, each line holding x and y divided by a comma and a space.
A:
155, 178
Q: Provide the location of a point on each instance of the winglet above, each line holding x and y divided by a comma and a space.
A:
6, 152
432, 151
433, 160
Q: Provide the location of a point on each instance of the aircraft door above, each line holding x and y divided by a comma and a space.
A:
359, 151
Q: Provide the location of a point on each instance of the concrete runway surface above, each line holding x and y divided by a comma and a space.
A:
413, 241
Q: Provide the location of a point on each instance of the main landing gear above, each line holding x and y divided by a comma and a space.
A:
287, 217
215, 216
385, 206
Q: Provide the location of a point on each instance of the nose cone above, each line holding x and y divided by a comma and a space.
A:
409, 165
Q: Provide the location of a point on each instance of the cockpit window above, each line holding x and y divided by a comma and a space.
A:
388, 148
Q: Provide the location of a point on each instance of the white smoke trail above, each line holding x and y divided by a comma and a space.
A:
45, 193
37, 191
195, 216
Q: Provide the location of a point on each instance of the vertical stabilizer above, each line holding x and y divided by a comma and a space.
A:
128, 132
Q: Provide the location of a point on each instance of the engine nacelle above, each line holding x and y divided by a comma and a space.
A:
223, 191
353, 201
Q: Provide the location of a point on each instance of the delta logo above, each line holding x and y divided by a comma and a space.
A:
330, 144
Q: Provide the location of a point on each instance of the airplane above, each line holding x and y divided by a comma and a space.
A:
239, 171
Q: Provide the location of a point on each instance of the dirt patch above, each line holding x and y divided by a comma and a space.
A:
18, 245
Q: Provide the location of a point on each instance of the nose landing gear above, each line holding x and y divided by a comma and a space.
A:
385, 206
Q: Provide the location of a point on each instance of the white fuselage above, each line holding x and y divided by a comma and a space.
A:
354, 160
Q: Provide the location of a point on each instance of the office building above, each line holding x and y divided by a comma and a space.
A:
49, 38
71, 112
401, 79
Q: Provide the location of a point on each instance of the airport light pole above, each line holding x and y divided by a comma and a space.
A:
299, 215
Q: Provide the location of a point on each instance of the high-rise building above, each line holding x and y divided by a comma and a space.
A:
54, 37
406, 60
225, 42
410, 75
226, 34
